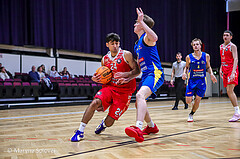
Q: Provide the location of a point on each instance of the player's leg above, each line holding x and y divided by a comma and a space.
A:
177, 88
106, 122
233, 98
88, 114
194, 108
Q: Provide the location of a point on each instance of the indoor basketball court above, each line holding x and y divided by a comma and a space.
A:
46, 133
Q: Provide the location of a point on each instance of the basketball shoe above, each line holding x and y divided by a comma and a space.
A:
190, 118
77, 136
100, 127
149, 130
135, 132
235, 118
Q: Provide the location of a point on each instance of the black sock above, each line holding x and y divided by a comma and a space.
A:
192, 113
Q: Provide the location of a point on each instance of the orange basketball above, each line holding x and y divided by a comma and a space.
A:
106, 74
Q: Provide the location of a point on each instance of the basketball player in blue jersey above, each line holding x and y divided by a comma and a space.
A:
197, 64
152, 74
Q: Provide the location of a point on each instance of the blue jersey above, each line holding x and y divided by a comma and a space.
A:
197, 67
148, 57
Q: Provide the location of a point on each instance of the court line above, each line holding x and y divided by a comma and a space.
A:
132, 142
33, 116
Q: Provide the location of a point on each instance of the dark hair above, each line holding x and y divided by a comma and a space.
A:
1, 69
52, 67
228, 31
148, 20
112, 37
39, 68
179, 53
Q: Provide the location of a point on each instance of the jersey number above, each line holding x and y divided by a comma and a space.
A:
113, 66
118, 112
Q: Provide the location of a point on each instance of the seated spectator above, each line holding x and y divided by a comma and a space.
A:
65, 73
41, 73
43, 68
8, 73
44, 80
34, 76
53, 72
3, 73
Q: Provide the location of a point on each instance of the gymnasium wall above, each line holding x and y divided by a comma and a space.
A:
13, 63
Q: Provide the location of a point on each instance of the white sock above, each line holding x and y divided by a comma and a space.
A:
237, 110
139, 124
82, 127
150, 124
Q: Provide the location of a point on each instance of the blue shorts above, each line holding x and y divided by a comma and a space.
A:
197, 86
153, 82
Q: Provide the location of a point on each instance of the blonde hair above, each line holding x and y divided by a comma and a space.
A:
196, 39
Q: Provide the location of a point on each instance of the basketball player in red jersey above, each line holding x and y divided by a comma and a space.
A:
229, 70
115, 95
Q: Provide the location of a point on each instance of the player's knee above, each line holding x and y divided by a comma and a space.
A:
188, 101
140, 96
95, 103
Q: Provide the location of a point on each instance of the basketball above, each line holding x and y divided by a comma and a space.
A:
106, 74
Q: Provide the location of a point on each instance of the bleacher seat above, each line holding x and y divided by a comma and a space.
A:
27, 89
62, 90
18, 89
1, 89
8, 87
35, 89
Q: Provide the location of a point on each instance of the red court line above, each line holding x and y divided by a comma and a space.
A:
115, 141
207, 147
159, 144
52, 139
183, 145
234, 149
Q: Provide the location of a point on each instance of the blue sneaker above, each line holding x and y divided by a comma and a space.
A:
100, 128
77, 136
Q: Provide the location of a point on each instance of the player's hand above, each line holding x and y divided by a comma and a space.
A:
140, 14
100, 109
122, 81
96, 77
171, 82
184, 76
232, 77
213, 78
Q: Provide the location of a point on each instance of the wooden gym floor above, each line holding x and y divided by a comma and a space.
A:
45, 133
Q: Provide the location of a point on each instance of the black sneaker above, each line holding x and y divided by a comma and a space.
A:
186, 106
175, 108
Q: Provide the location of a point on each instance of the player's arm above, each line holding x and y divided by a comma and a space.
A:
95, 77
235, 62
209, 69
185, 71
151, 37
172, 75
125, 77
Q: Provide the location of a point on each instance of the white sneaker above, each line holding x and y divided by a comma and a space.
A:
190, 118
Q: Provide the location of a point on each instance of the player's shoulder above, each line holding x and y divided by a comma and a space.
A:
233, 45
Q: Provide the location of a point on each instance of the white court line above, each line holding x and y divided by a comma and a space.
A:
32, 116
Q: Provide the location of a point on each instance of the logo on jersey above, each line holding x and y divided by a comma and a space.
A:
141, 59
203, 62
226, 49
189, 93
119, 61
99, 93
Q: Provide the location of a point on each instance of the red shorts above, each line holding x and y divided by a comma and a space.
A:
116, 100
226, 75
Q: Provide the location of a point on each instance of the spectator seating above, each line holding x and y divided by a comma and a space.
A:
81, 86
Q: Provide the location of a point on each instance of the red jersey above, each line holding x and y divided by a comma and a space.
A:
119, 64
226, 56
